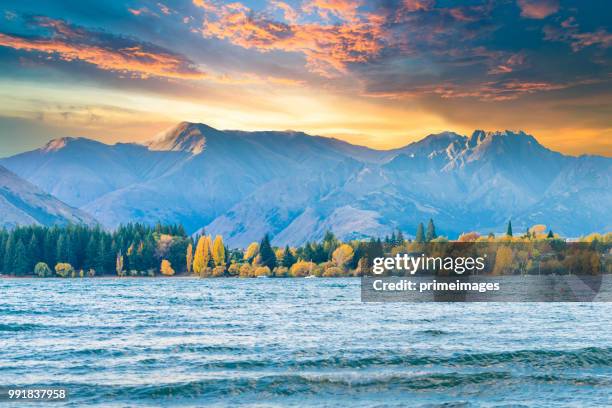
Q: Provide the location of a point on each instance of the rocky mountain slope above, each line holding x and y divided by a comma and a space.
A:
22, 203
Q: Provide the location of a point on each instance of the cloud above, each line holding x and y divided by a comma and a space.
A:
328, 48
345, 10
107, 52
538, 9
141, 11
490, 91
418, 5
569, 32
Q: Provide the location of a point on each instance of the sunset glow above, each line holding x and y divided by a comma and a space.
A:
381, 74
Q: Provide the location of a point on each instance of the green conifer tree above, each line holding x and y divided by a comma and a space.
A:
420, 233
21, 261
431, 231
266, 253
288, 258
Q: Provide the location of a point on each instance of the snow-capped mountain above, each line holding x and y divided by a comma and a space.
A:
296, 186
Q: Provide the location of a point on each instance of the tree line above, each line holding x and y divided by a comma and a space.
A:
141, 250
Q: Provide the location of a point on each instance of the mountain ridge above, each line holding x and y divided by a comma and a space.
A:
22, 203
293, 185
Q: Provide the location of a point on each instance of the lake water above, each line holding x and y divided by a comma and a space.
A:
294, 342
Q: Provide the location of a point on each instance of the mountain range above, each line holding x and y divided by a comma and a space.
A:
296, 186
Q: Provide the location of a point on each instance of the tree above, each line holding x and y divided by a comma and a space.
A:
400, 237
33, 251
288, 258
302, 268
9, 254
189, 258
200, 260
64, 269
267, 254
42, 270
119, 264
251, 252
329, 245
431, 231
509, 229
211, 261
342, 255
262, 271
166, 268
218, 252
21, 262
91, 253
550, 234
65, 249
420, 234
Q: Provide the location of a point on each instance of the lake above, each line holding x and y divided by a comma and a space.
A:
295, 342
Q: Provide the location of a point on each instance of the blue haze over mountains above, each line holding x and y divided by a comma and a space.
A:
296, 186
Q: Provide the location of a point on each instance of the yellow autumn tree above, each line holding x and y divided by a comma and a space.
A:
251, 252
218, 251
200, 260
189, 258
342, 255
503, 260
119, 264
166, 268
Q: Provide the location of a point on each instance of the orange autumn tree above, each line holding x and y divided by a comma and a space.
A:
166, 268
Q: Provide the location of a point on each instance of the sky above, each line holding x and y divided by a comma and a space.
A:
378, 73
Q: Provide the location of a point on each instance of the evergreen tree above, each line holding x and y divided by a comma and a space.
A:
91, 254
288, 258
50, 247
266, 253
3, 238
400, 237
431, 231
420, 234
358, 254
9, 254
509, 229
65, 249
308, 253
550, 234
21, 263
33, 252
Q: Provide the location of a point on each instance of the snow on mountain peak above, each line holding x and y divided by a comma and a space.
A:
57, 144
185, 137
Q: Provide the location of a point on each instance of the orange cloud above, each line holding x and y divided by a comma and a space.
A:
289, 13
327, 48
417, 5
538, 9
72, 44
343, 9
